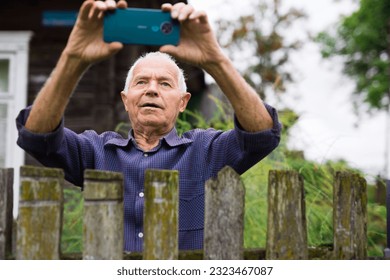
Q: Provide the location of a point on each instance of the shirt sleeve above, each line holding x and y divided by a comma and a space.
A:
240, 149
61, 148
37, 143
266, 140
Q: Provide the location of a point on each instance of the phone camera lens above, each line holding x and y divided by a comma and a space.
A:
166, 27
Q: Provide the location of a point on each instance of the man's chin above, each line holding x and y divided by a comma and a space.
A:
152, 121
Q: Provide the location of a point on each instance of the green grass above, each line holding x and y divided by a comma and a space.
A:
72, 228
318, 183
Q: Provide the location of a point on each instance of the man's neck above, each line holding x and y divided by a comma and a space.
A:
149, 138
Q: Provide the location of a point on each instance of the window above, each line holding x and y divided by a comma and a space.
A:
4, 75
3, 127
5, 97
13, 96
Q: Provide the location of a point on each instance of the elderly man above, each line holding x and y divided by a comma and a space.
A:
154, 94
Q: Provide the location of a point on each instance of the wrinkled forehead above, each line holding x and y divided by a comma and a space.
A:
157, 66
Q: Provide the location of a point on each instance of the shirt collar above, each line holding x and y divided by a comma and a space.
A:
172, 139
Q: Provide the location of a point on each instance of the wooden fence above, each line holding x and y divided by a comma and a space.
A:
39, 223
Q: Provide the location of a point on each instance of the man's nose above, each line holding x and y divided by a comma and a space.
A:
152, 89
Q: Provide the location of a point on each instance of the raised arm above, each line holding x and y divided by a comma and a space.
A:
198, 46
85, 46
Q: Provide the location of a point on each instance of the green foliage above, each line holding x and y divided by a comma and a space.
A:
72, 230
376, 229
258, 37
256, 182
123, 128
221, 119
363, 40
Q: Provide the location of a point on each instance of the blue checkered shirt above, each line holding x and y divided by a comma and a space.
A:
198, 155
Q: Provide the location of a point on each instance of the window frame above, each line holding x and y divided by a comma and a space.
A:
14, 45
8, 98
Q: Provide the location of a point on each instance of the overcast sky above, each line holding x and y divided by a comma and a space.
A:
328, 128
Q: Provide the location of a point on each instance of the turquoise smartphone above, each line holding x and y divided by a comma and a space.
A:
141, 27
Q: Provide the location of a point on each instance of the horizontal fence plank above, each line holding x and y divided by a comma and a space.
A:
315, 253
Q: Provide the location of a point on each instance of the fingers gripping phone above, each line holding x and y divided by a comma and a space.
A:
141, 27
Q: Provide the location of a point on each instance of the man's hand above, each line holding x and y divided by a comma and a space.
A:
86, 39
198, 44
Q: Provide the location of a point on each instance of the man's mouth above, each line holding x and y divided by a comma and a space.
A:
151, 105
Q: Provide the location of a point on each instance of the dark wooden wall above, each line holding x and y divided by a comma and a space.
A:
96, 103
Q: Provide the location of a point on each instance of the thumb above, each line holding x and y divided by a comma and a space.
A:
169, 49
115, 47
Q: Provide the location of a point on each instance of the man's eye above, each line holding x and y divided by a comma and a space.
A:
165, 84
140, 83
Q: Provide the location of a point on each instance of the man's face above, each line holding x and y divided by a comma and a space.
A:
153, 99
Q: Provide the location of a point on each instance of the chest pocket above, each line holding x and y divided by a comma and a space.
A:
191, 205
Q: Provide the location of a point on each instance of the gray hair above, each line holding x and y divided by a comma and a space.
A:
181, 78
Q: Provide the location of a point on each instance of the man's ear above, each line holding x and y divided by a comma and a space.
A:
124, 100
184, 101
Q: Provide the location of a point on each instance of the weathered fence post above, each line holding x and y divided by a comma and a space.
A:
161, 215
386, 251
224, 217
380, 191
40, 213
103, 215
6, 208
350, 216
286, 227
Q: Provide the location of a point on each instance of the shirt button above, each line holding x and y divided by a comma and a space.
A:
141, 194
140, 235
145, 155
